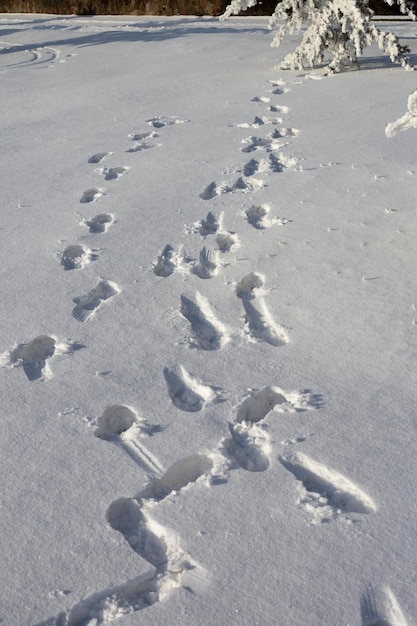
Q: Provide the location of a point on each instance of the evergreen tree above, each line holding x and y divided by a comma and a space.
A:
340, 28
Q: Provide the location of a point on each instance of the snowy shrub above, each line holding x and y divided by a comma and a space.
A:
340, 28
408, 120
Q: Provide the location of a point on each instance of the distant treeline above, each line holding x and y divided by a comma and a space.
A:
150, 7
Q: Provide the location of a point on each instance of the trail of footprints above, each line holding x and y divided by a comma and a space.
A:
324, 493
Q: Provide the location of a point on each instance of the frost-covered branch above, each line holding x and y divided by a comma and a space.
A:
338, 28
408, 120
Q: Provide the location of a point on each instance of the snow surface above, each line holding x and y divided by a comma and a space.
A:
207, 329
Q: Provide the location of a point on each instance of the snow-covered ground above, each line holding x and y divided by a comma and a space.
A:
207, 329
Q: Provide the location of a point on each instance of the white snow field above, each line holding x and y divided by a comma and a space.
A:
208, 329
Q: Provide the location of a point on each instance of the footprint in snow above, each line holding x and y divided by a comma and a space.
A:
270, 143
259, 321
379, 607
209, 225
207, 265
279, 87
262, 99
33, 356
142, 143
226, 241
243, 184
209, 192
91, 195
278, 109
274, 163
76, 257
258, 217
181, 474
160, 122
86, 306
167, 262
100, 223
113, 173
148, 134
249, 445
98, 157
171, 566
260, 121
208, 333
122, 426
185, 391
325, 493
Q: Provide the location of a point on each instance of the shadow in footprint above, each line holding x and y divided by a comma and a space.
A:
329, 488
98, 157
208, 332
113, 173
76, 257
100, 222
207, 267
115, 420
178, 476
121, 426
186, 393
125, 515
257, 406
90, 195
379, 607
34, 355
209, 225
226, 241
166, 263
87, 305
248, 448
258, 318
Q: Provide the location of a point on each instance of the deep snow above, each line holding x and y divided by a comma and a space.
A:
207, 329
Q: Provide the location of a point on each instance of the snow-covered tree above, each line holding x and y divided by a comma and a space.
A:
408, 120
339, 28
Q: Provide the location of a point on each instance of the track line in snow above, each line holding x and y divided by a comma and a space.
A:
121, 425
38, 57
